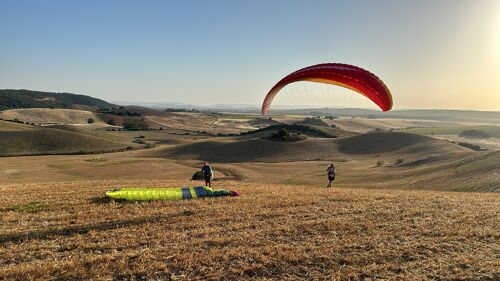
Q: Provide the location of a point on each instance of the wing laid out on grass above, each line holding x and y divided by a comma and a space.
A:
344, 75
147, 194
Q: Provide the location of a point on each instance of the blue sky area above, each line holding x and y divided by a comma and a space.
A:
431, 54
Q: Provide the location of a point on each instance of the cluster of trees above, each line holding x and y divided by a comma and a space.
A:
181, 110
311, 129
120, 111
284, 135
15, 120
331, 117
12, 99
474, 134
469, 146
135, 124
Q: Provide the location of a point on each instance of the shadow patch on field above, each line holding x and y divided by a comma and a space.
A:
83, 229
100, 200
251, 150
380, 142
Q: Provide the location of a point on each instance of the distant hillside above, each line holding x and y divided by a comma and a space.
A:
473, 172
245, 149
380, 142
20, 139
250, 150
305, 129
493, 131
12, 99
50, 116
489, 117
440, 115
13, 126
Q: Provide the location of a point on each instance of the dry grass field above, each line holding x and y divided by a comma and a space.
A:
21, 139
224, 123
452, 133
492, 130
68, 231
258, 149
50, 116
387, 217
364, 125
381, 160
6, 126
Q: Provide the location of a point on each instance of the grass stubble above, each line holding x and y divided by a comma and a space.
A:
269, 232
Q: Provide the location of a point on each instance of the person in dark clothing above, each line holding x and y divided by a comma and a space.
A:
331, 174
208, 175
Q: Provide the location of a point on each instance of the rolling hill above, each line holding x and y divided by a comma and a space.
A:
493, 131
472, 172
382, 142
305, 129
12, 99
244, 149
19, 139
13, 126
50, 116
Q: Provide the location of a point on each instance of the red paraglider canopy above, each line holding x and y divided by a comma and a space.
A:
344, 75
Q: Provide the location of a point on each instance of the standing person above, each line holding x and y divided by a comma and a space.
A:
207, 172
331, 174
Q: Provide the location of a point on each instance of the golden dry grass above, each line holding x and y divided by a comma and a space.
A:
257, 149
67, 231
56, 225
463, 171
42, 140
47, 115
13, 127
211, 123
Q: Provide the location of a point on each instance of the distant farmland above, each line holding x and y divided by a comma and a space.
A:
493, 131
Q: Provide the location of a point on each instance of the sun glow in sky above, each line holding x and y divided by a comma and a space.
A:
496, 45
431, 54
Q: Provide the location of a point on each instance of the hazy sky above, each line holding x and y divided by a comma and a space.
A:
431, 54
